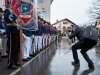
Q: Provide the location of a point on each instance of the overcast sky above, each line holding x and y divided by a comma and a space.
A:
74, 10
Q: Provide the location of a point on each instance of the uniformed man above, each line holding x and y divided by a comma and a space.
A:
40, 33
26, 46
43, 35
2, 26
49, 37
32, 52
46, 33
13, 38
51, 33
3, 36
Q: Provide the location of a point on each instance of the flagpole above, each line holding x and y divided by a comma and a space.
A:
21, 38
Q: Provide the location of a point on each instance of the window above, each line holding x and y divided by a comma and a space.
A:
64, 29
37, 7
65, 22
69, 28
40, 1
59, 27
39, 13
43, 14
43, 8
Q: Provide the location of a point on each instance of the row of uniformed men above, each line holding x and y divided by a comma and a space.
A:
44, 36
33, 43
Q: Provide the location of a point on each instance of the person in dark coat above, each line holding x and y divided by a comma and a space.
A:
13, 39
81, 44
2, 26
3, 34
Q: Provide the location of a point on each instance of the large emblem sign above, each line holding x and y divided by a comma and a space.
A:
24, 10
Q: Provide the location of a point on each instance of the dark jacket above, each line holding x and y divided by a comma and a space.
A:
10, 18
40, 29
27, 33
2, 24
78, 33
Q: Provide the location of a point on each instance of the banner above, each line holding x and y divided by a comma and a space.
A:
26, 11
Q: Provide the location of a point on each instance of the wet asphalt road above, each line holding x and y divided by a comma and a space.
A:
57, 59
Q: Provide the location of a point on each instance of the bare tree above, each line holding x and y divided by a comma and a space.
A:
94, 11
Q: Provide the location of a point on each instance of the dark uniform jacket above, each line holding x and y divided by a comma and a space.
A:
40, 29
27, 33
2, 24
10, 18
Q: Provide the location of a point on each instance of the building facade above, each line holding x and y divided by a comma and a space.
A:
64, 25
44, 9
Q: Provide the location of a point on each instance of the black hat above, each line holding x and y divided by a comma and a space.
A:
1, 10
42, 19
39, 17
49, 23
45, 22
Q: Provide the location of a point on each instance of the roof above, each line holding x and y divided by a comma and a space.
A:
63, 20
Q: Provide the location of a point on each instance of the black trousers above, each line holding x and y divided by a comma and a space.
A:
84, 48
13, 48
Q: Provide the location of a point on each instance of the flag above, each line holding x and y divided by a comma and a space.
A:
26, 13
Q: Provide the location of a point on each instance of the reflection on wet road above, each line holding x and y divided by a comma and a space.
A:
57, 59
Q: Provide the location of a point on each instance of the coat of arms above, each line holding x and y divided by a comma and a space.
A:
24, 10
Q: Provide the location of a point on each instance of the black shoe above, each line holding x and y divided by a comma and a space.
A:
91, 66
76, 63
0, 58
29, 58
32, 55
17, 64
26, 59
40, 50
4, 56
14, 67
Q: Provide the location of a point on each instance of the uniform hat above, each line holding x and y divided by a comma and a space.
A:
39, 17
42, 19
45, 22
49, 23
1, 10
